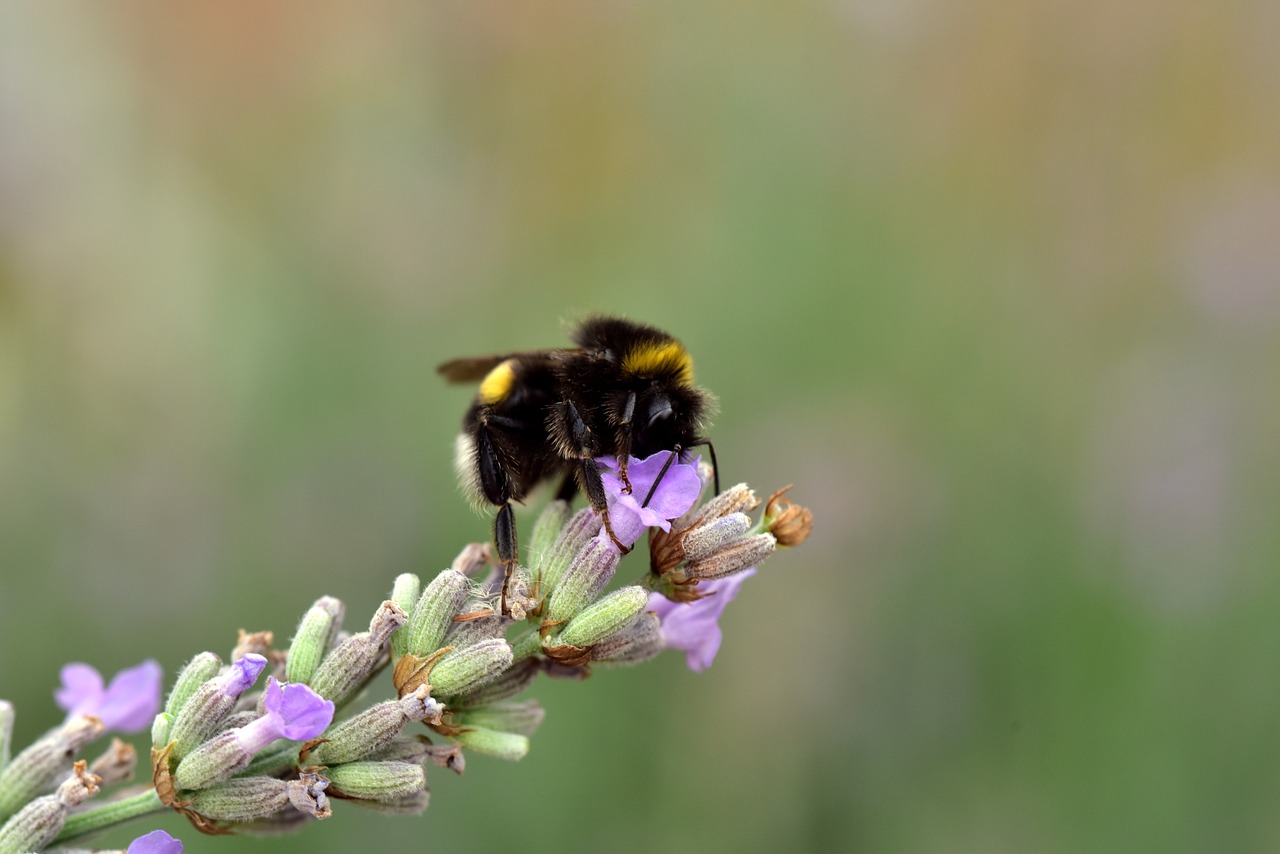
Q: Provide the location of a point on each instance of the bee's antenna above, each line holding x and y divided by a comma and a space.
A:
675, 453
715, 468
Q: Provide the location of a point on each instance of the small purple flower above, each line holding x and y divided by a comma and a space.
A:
293, 711
244, 671
128, 704
155, 842
676, 493
692, 626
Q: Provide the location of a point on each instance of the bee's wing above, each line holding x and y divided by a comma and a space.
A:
472, 369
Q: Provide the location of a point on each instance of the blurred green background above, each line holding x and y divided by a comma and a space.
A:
996, 284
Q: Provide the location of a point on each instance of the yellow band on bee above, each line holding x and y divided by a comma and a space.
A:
660, 358
497, 383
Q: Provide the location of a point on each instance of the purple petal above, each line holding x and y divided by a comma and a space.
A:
132, 699
303, 713
243, 673
81, 691
676, 493
693, 626
155, 842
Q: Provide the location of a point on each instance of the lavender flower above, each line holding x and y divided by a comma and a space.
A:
629, 515
128, 704
155, 842
292, 711
692, 626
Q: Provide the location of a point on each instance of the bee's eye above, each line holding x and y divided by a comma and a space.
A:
659, 409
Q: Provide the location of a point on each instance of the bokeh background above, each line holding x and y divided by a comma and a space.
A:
995, 284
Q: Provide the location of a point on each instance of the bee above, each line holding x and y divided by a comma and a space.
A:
626, 390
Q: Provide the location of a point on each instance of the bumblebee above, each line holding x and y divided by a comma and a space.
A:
625, 390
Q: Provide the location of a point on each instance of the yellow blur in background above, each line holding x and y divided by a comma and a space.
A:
996, 284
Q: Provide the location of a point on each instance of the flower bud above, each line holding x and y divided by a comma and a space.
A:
467, 669
546, 530
40, 821
716, 534
6, 731
419, 750
316, 632
47, 759
598, 621
509, 683
582, 582
584, 525
251, 798
203, 714
349, 665
161, 726
639, 642
790, 523
375, 780
404, 592
504, 745
197, 671
740, 555
522, 718
434, 612
374, 729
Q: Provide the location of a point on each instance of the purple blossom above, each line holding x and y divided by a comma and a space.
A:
676, 493
293, 711
244, 671
155, 842
128, 704
692, 626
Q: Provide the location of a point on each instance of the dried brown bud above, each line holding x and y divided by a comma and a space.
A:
790, 523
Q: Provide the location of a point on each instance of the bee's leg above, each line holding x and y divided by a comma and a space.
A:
593, 486
504, 536
496, 486
623, 449
588, 472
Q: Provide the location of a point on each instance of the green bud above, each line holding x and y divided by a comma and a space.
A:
6, 731
160, 729
641, 641
584, 525
434, 612
582, 582
48, 758
546, 531
716, 534
734, 558
733, 500
504, 745
404, 592
316, 632
469, 668
374, 729
349, 665
252, 798
40, 821
598, 621
376, 780
215, 760
197, 671
522, 718
509, 683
